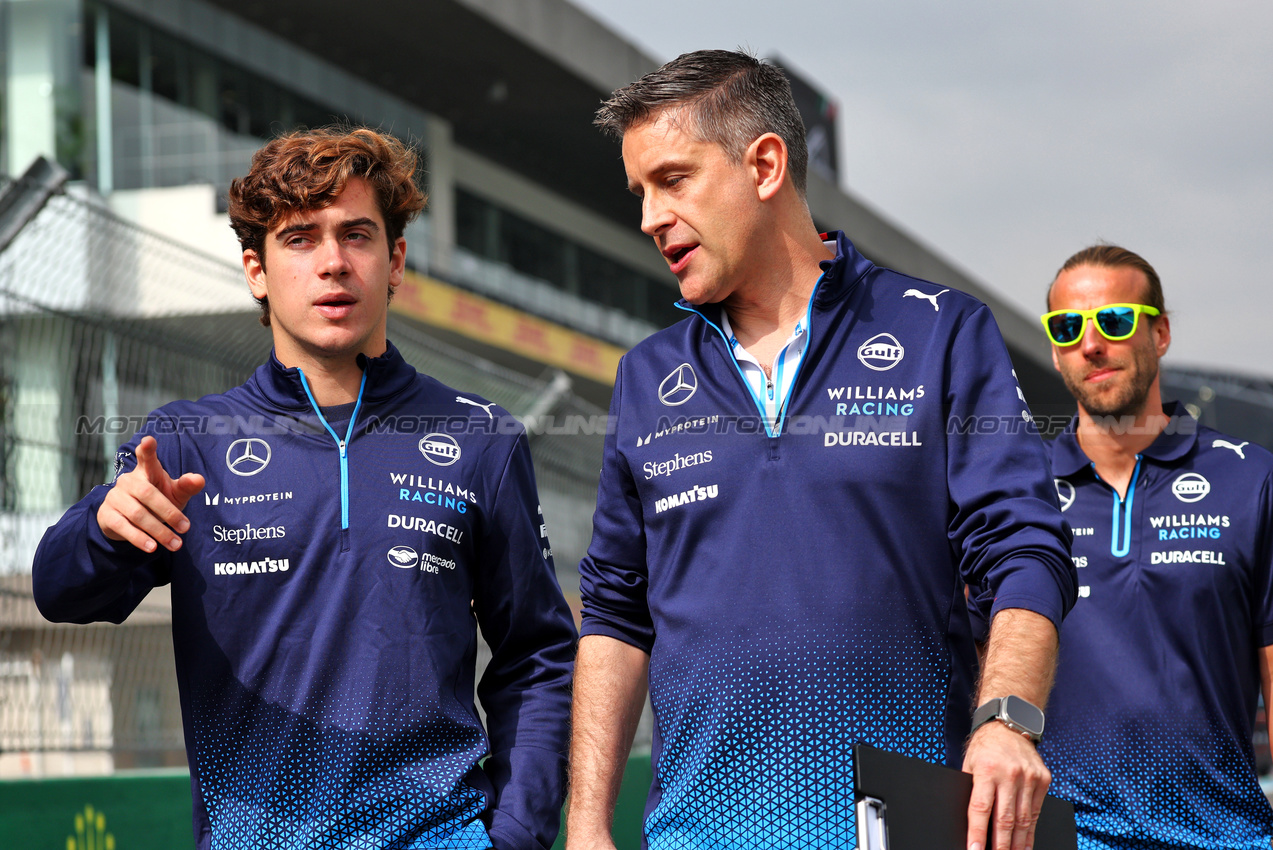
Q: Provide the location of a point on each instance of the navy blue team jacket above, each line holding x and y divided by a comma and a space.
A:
1149, 724
802, 590
325, 611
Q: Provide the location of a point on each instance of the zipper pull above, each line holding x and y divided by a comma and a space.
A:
769, 384
341, 443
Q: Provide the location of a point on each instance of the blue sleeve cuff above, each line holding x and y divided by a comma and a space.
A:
1031, 584
642, 639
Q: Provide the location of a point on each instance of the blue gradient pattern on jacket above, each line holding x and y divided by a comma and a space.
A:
1149, 725
327, 673
803, 590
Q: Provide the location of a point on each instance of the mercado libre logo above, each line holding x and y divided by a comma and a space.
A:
90, 832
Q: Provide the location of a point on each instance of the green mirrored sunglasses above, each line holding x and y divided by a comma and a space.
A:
1114, 321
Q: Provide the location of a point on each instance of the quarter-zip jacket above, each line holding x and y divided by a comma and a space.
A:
325, 604
802, 590
1149, 724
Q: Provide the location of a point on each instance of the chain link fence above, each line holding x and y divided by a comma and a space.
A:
101, 322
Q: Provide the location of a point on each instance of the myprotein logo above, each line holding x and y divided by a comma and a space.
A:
881, 352
678, 387
214, 499
1064, 492
1190, 487
441, 449
248, 457
403, 557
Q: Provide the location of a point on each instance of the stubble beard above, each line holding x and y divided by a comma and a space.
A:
1127, 399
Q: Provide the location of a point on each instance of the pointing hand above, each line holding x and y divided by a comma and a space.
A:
144, 506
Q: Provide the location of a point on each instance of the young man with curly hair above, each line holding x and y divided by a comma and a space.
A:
329, 566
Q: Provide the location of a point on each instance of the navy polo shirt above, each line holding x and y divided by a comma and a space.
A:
1149, 726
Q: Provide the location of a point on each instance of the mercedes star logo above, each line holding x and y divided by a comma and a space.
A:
1064, 492
248, 457
678, 387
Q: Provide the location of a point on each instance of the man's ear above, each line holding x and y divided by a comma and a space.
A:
1056, 363
254, 271
397, 262
1161, 332
767, 156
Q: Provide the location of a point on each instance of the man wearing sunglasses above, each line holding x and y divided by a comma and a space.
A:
1149, 725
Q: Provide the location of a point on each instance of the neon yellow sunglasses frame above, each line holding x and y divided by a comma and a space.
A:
1090, 315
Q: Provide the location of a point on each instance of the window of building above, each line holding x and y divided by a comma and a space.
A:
180, 115
494, 233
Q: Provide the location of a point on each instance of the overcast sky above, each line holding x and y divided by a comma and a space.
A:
1009, 135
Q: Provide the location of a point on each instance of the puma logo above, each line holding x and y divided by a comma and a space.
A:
486, 407
1225, 444
915, 293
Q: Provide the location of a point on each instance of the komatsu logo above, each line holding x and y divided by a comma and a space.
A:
693, 494
242, 568
1190, 487
881, 352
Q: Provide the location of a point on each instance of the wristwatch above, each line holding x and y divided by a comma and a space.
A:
1013, 712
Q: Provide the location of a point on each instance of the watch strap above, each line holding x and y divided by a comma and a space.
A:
997, 709
985, 712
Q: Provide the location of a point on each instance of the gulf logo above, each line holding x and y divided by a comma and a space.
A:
881, 352
441, 449
1190, 487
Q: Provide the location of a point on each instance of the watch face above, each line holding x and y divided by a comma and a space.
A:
1023, 714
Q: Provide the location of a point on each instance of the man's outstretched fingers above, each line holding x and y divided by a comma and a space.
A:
183, 489
144, 505
147, 455
116, 526
1027, 818
980, 809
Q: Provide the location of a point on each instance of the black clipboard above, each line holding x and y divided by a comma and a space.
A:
905, 803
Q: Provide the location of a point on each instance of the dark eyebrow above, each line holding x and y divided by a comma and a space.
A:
299, 227
368, 223
303, 226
